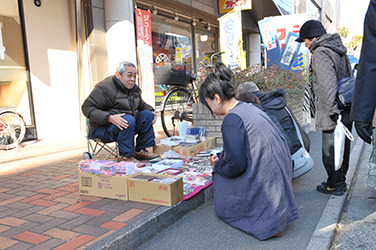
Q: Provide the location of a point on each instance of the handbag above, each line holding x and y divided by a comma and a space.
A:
303, 161
340, 134
345, 89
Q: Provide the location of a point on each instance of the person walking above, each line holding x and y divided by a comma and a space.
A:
328, 65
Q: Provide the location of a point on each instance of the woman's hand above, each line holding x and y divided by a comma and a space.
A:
213, 159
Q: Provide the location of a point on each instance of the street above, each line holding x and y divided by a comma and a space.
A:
201, 229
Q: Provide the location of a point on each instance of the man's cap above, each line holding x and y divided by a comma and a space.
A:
311, 29
247, 86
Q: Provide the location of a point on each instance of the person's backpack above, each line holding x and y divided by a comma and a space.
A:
345, 89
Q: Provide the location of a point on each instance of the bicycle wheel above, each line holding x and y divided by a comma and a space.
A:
176, 107
12, 129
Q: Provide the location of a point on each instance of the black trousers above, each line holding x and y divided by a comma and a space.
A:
335, 178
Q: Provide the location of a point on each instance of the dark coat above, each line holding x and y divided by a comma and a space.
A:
364, 99
110, 97
329, 64
274, 103
260, 201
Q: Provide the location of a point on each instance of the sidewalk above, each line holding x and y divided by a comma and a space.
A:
40, 207
357, 225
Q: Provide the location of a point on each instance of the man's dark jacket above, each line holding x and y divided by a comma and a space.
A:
110, 97
364, 99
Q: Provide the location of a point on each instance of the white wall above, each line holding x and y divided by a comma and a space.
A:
50, 32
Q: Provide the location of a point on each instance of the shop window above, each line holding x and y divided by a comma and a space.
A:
205, 47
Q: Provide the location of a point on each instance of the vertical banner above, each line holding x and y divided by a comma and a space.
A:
230, 32
145, 56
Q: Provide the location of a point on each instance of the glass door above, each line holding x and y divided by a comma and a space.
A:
15, 89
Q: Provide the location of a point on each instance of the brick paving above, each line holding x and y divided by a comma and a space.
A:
40, 206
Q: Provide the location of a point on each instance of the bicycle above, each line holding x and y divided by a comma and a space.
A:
177, 104
12, 128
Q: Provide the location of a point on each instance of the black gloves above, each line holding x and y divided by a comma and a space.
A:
364, 130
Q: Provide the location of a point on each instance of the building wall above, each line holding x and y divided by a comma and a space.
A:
50, 33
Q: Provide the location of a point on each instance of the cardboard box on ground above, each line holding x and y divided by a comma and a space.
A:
187, 150
165, 194
124, 188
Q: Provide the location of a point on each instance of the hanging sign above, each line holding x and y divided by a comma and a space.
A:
230, 36
145, 55
229, 5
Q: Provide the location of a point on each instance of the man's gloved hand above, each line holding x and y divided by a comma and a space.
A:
364, 130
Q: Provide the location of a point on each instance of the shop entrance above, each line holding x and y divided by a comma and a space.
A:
15, 88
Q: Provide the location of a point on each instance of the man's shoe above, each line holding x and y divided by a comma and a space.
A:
144, 155
328, 190
126, 158
344, 188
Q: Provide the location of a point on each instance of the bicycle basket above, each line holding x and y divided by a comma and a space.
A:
170, 76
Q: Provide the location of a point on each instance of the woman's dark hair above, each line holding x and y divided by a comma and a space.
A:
248, 97
223, 71
213, 85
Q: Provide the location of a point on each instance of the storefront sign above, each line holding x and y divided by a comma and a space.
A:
229, 5
231, 40
275, 31
145, 55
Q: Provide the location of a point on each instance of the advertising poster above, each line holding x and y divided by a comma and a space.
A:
270, 40
289, 51
285, 24
145, 56
229, 5
230, 32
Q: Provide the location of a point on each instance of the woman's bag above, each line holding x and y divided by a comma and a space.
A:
340, 134
303, 161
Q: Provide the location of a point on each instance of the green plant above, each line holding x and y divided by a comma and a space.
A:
272, 78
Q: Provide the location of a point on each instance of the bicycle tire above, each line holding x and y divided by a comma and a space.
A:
176, 106
12, 129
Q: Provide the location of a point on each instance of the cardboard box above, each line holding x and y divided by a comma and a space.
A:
209, 143
114, 187
193, 150
160, 149
140, 189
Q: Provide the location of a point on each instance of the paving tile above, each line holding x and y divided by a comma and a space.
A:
5, 242
31, 237
26, 193
49, 244
33, 198
113, 225
38, 218
97, 221
29, 173
128, 215
3, 189
79, 241
12, 200
56, 195
4, 228
65, 215
61, 177
61, 234
12, 221
76, 222
52, 209
26, 212
91, 198
17, 230
43, 203
21, 245
114, 208
19, 205
89, 211
48, 225
66, 200
77, 206
47, 191
99, 202
90, 230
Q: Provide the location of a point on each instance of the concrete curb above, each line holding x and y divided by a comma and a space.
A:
145, 228
326, 227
